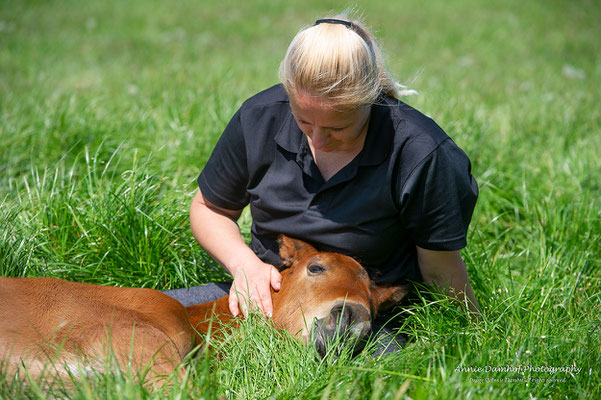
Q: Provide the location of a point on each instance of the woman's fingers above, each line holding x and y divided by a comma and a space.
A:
233, 301
252, 289
275, 278
266, 305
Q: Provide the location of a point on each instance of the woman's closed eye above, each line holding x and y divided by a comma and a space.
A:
330, 128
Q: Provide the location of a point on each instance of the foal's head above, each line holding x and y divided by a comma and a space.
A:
329, 293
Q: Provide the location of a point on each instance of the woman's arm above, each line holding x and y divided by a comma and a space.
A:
446, 270
216, 230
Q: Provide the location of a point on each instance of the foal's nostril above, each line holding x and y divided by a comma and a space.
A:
349, 318
345, 323
341, 316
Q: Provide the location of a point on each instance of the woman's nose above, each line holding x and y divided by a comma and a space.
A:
319, 138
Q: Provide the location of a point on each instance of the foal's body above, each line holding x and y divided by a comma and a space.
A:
47, 322
51, 323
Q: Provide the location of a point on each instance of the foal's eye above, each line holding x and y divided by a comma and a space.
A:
315, 269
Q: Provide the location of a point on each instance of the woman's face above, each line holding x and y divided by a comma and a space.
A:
329, 130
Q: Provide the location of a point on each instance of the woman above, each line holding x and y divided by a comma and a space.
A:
330, 156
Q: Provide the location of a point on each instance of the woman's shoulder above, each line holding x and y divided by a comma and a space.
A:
417, 137
273, 96
411, 125
263, 115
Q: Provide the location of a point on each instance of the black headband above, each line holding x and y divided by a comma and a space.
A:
351, 26
334, 21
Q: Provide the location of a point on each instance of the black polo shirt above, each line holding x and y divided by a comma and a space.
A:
410, 185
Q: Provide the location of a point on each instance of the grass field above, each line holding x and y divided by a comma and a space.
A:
109, 110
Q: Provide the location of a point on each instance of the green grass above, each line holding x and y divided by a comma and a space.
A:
109, 110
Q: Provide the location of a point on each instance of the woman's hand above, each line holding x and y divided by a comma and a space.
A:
252, 287
446, 270
216, 230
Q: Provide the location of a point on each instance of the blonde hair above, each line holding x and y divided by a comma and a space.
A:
338, 62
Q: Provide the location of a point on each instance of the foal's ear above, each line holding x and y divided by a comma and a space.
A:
385, 297
290, 249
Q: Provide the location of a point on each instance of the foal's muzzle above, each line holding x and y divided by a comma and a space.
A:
346, 324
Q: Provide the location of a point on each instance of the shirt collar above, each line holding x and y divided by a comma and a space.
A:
380, 132
290, 137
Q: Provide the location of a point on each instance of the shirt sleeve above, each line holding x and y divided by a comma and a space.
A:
438, 199
223, 180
